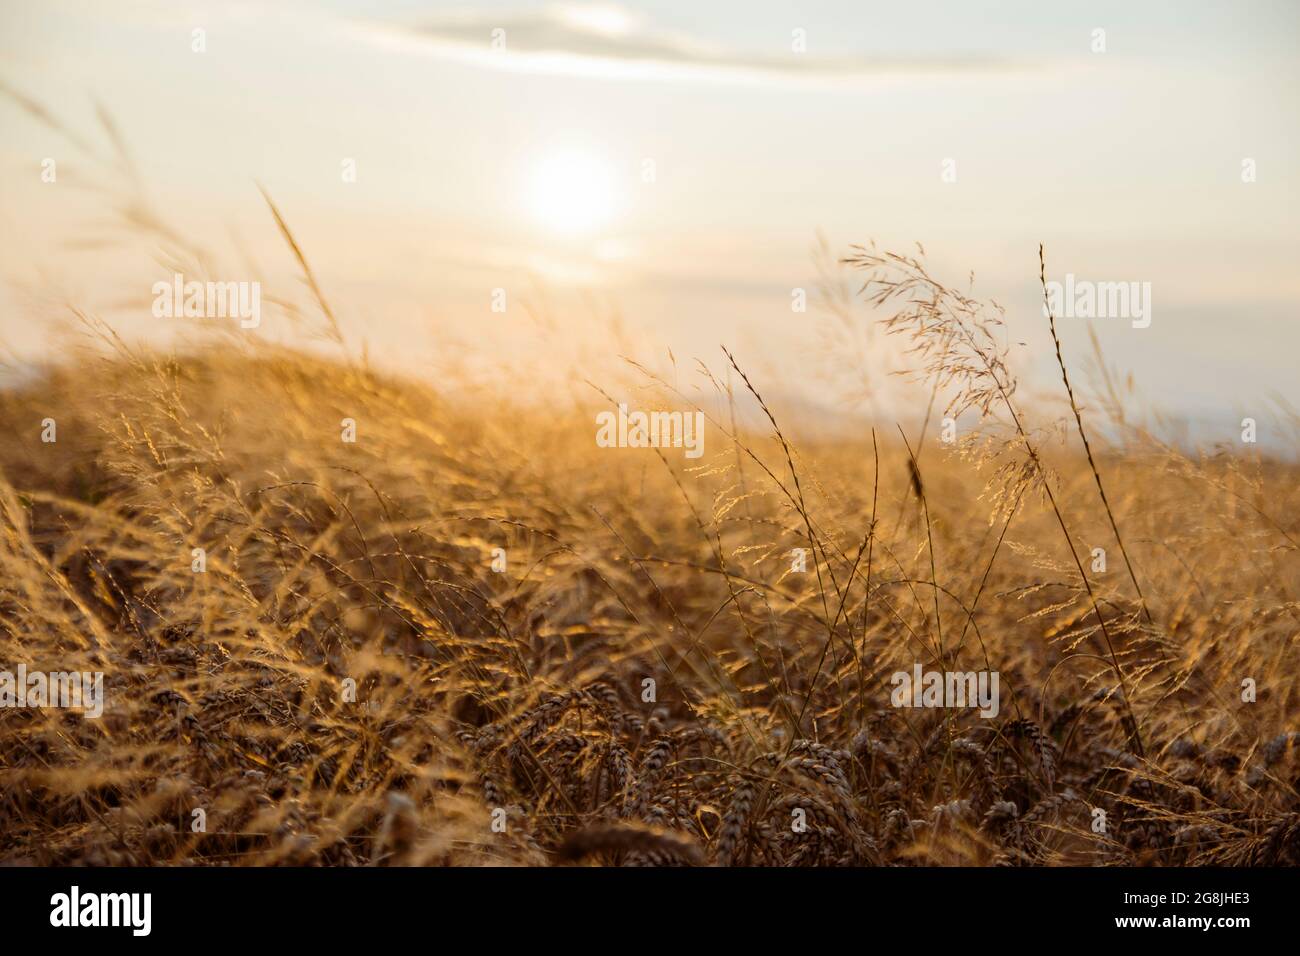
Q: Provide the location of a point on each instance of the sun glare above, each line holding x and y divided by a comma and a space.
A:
572, 193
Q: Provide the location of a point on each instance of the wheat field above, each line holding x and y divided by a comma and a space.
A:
472, 636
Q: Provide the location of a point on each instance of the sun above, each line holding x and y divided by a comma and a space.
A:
571, 193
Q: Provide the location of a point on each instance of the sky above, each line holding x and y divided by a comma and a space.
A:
654, 176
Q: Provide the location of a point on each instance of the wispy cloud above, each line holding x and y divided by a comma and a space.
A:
610, 41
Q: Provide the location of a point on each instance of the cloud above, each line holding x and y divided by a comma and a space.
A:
609, 41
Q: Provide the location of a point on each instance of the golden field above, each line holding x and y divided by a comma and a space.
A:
502, 714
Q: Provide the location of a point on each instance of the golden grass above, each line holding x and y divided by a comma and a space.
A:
522, 691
